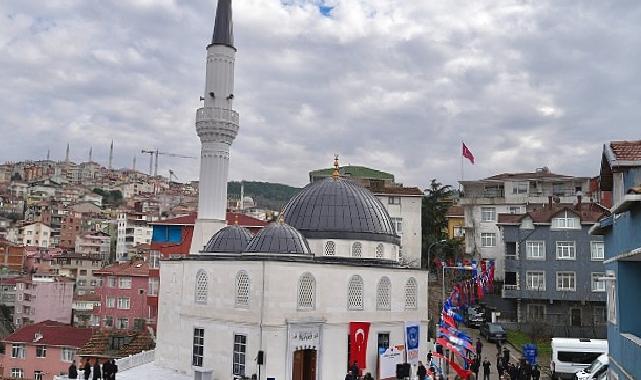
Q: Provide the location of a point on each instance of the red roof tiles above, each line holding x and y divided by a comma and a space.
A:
587, 212
455, 211
626, 150
53, 334
136, 269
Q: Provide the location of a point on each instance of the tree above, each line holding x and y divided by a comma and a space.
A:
436, 202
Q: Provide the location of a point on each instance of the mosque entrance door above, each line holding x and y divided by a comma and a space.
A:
304, 366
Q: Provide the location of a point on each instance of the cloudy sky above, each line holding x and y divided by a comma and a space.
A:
391, 84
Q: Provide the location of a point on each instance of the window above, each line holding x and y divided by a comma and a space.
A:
122, 323
154, 259
578, 357
198, 347
565, 250
357, 249
201, 287
566, 221
154, 285
459, 231
83, 272
394, 200
124, 282
111, 302
611, 300
380, 251
37, 375
240, 349
535, 250
383, 298
535, 312
598, 315
398, 225
488, 214
535, 280
597, 284
515, 209
111, 281
82, 282
355, 293
109, 321
306, 292
383, 342
17, 351
17, 373
411, 288
597, 250
488, 239
68, 354
242, 289
520, 188
41, 351
566, 281
123, 303
330, 248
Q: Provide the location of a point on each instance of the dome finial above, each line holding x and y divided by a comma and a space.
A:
336, 172
236, 219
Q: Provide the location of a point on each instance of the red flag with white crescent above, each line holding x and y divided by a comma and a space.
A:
358, 334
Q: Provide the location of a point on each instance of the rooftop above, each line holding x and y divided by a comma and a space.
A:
52, 333
455, 211
232, 218
588, 213
626, 150
135, 268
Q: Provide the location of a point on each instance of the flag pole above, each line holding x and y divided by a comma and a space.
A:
462, 167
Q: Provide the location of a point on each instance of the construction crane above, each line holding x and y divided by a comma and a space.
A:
172, 175
156, 153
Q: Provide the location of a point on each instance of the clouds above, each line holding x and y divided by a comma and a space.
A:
392, 84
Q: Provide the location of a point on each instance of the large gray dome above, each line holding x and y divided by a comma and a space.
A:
230, 239
337, 208
278, 238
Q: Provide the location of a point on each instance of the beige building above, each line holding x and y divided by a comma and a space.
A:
35, 235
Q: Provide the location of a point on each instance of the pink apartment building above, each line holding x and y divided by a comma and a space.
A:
128, 296
41, 351
43, 297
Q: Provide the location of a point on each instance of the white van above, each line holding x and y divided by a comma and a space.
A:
596, 368
570, 355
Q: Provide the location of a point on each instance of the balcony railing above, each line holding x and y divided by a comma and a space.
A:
208, 113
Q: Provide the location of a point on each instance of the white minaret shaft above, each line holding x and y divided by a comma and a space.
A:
217, 126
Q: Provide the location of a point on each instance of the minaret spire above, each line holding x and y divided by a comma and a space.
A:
224, 27
90, 153
67, 154
111, 154
217, 126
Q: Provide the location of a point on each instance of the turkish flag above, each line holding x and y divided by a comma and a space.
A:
358, 334
467, 153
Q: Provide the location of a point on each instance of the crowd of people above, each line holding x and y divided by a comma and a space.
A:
505, 369
106, 371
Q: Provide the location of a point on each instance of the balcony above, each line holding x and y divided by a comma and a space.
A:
209, 113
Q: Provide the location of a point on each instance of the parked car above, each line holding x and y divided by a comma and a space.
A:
571, 355
493, 332
596, 368
474, 317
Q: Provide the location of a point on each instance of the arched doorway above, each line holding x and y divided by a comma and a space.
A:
304, 365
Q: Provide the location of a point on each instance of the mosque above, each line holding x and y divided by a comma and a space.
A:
279, 305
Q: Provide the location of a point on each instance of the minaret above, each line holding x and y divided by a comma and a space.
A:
90, 153
67, 154
111, 154
217, 126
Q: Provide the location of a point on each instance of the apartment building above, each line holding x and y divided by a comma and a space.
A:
42, 297
35, 235
554, 268
94, 244
81, 269
515, 193
133, 229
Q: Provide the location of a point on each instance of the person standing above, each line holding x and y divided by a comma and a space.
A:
355, 370
429, 357
421, 371
87, 368
536, 374
73, 370
114, 369
476, 364
486, 369
499, 364
479, 347
97, 374
106, 370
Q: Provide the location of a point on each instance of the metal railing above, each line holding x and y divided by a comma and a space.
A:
144, 357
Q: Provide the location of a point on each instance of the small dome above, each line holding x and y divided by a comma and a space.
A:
230, 239
338, 208
278, 238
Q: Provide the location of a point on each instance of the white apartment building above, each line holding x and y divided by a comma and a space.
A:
482, 201
95, 244
36, 235
133, 229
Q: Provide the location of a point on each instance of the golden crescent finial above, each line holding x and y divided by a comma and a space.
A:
336, 173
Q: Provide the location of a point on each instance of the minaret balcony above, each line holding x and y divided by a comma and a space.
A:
217, 114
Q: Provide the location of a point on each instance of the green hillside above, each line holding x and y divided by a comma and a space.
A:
271, 196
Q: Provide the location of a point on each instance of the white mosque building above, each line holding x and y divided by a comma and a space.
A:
279, 304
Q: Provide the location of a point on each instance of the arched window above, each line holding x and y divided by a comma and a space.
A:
355, 293
330, 248
380, 251
383, 298
242, 289
357, 249
201, 287
306, 292
410, 294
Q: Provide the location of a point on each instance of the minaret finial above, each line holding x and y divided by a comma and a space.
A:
224, 27
236, 219
336, 173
